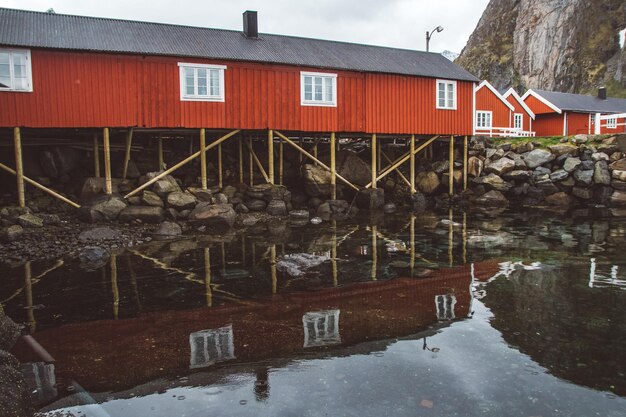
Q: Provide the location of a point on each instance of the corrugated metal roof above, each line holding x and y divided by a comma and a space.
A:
582, 103
48, 30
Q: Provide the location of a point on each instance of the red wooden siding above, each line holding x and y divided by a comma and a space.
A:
75, 89
537, 106
406, 105
577, 123
526, 122
486, 100
548, 124
620, 128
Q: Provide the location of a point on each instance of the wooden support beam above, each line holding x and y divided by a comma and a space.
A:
19, 168
41, 187
412, 168
320, 163
402, 176
240, 146
108, 184
333, 167
270, 157
374, 164
181, 163
402, 160
203, 180
160, 153
465, 164
258, 163
451, 170
129, 142
96, 156
250, 160
220, 168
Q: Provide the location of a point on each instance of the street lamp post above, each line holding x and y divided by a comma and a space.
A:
430, 34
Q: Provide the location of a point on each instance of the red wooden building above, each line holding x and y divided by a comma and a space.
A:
501, 115
570, 114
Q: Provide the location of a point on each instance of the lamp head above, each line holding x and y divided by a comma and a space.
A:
439, 29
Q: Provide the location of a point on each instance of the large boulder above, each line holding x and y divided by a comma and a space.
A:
618, 199
583, 177
12, 233
213, 215
164, 185
494, 182
145, 214
619, 175
150, 198
601, 174
108, 207
316, 180
353, 168
563, 149
29, 220
619, 165
571, 164
537, 158
500, 167
169, 229
94, 186
371, 198
181, 201
277, 208
475, 166
492, 198
427, 182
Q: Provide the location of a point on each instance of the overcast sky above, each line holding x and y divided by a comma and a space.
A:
397, 23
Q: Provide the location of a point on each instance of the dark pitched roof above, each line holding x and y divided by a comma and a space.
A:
48, 30
582, 103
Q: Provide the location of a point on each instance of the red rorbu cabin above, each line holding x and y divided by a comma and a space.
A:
493, 112
570, 114
522, 115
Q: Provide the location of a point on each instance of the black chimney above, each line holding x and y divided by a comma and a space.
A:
250, 25
602, 93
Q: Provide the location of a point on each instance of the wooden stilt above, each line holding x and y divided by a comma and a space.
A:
203, 180
273, 268
451, 171
108, 185
270, 157
333, 167
160, 153
374, 163
280, 162
181, 163
320, 163
412, 168
374, 253
96, 156
19, 168
465, 163
129, 142
400, 174
41, 187
220, 168
114, 287
250, 160
207, 277
240, 146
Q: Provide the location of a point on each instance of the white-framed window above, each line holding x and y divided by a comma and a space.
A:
518, 121
201, 82
211, 346
15, 70
611, 123
445, 306
483, 119
318, 89
446, 94
321, 328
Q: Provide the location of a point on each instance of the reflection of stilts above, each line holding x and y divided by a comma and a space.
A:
133, 282
465, 236
207, 277
374, 253
333, 254
114, 288
450, 236
412, 239
273, 267
32, 323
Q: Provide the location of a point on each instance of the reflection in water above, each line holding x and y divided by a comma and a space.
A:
535, 305
41, 378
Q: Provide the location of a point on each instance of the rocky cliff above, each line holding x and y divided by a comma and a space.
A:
569, 46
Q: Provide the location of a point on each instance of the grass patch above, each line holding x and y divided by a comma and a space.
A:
544, 142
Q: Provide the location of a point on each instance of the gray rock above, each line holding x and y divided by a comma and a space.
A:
277, 208
492, 198
200, 194
500, 167
588, 164
229, 191
559, 175
583, 177
599, 156
181, 201
537, 158
150, 198
441, 166
371, 198
493, 181
618, 185
618, 199
601, 174
93, 257
29, 220
216, 215
583, 193
220, 198
561, 149
134, 200
299, 215
316, 220
474, 166
517, 175
571, 164
539, 171
559, 199
619, 175
242, 208
109, 207
619, 165
256, 205
169, 229
578, 139
316, 180
602, 195
165, 185
99, 233
12, 233
145, 214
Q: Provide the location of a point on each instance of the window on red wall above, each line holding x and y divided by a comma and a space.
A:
15, 70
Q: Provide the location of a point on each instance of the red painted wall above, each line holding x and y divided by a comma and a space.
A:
537, 106
486, 100
76, 89
578, 123
548, 124
608, 131
526, 125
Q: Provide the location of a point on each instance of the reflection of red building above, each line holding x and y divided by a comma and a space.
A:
113, 355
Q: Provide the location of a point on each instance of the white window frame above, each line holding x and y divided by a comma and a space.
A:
611, 123
29, 73
221, 97
520, 117
324, 102
447, 84
483, 113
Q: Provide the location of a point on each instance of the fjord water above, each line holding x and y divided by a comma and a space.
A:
523, 314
